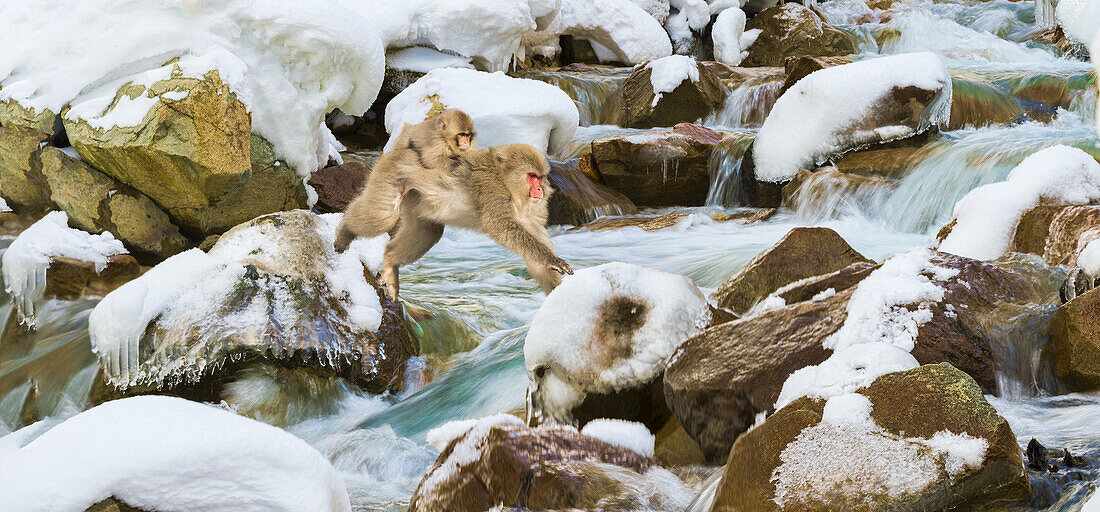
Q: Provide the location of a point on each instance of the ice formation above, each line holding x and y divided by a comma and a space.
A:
731, 41
28, 258
827, 111
196, 301
668, 73
884, 314
623, 28
825, 459
689, 16
423, 59
289, 62
166, 453
1080, 19
506, 110
626, 434
570, 338
986, 218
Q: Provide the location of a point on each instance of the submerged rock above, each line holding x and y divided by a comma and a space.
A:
271, 290
692, 99
922, 439
607, 359
1075, 336
790, 30
577, 199
498, 461
801, 253
663, 168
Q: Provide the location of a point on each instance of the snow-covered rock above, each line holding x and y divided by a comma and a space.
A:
1080, 19
627, 434
846, 107
623, 324
670, 90
625, 30
505, 110
686, 18
986, 218
289, 62
273, 288
166, 453
731, 40
28, 258
667, 73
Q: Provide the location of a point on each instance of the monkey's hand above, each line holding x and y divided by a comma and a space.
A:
560, 266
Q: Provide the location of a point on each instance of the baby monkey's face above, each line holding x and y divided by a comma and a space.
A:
464, 140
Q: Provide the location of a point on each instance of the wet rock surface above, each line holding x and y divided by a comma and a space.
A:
665, 168
791, 30
1075, 339
578, 199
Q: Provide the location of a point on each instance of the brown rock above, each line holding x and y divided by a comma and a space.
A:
1075, 333
802, 253
674, 447
577, 199
838, 281
684, 104
798, 66
337, 185
668, 168
21, 182
648, 223
976, 101
890, 162
1057, 232
917, 403
71, 279
791, 29
113, 505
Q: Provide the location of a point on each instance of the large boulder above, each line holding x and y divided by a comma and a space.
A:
1057, 232
662, 168
270, 291
801, 253
922, 439
718, 381
578, 199
21, 181
192, 152
1075, 336
96, 202
498, 461
791, 29
669, 91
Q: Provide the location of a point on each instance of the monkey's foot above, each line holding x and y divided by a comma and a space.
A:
560, 266
388, 281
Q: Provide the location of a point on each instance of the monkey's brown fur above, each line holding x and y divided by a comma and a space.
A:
421, 157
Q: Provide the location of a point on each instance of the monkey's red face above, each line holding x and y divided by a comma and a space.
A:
535, 182
464, 140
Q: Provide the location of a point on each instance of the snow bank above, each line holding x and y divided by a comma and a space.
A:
626, 434
826, 112
505, 110
731, 42
27, 259
884, 314
832, 457
166, 453
289, 62
623, 28
1093, 504
986, 217
1080, 19
187, 294
423, 59
669, 72
584, 349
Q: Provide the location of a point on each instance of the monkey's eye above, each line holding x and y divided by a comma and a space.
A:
533, 176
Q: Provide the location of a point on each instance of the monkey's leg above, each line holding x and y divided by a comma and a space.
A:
373, 212
413, 238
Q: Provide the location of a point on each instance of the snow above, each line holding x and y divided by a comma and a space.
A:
689, 16
884, 314
166, 453
289, 62
423, 59
657, 8
824, 294
669, 72
505, 110
1089, 259
831, 458
563, 332
625, 434
819, 116
4, 208
731, 41
442, 435
1080, 19
28, 258
191, 289
626, 30
987, 216
1093, 503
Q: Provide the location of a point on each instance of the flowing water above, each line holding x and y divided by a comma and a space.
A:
470, 303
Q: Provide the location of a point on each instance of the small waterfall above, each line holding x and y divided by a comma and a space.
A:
725, 169
1044, 14
747, 105
828, 193
705, 499
596, 92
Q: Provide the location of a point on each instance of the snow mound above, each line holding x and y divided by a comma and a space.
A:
625, 30
505, 110
884, 314
289, 62
1080, 19
266, 282
832, 110
626, 434
166, 453
986, 217
608, 328
731, 41
442, 435
29, 256
832, 457
667, 73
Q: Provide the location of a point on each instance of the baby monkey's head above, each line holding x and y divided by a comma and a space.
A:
457, 129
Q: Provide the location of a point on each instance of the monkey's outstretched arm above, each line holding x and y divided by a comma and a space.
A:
515, 237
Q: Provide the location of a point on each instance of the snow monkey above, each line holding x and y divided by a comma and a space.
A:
417, 153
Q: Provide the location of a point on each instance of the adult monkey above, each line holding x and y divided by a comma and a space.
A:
418, 152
